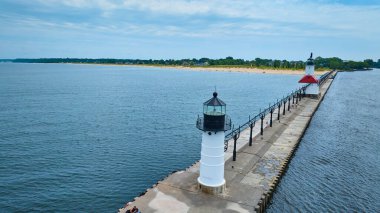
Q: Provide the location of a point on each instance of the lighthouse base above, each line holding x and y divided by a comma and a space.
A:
312, 91
213, 190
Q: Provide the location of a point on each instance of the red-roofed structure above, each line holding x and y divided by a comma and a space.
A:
308, 79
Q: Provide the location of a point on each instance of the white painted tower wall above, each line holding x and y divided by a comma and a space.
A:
309, 70
312, 89
212, 159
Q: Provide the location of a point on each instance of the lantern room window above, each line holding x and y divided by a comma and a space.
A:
214, 110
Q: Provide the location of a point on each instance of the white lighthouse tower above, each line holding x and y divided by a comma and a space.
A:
313, 89
213, 124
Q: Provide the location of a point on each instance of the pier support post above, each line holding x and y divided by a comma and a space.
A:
271, 113
262, 125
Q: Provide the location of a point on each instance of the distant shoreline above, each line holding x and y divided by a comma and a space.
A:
228, 64
204, 68
217, 69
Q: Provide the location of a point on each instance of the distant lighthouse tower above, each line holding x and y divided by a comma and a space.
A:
313, 89
213, 124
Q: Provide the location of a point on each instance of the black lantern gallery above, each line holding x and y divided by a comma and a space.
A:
214, 116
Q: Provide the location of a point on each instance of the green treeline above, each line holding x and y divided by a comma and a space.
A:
320, 63
339, 64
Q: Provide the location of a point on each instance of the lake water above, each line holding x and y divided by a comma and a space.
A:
87, 138
337, 165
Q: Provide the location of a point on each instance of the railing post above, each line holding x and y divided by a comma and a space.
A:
250, 133
283, 111
236, 136
299, 96
278, 113
293, 98
296, 97
234, 152
271, 113
289, 103
262, 124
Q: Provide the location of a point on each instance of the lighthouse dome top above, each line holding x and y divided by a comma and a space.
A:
310, 61
214, 101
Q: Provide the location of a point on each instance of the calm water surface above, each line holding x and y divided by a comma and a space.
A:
85, 138
337, 165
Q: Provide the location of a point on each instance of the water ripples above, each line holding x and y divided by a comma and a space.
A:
77, 138
335, 168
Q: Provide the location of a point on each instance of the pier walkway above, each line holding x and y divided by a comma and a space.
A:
255, 172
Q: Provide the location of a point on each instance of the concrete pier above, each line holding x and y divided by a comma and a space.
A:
250, 180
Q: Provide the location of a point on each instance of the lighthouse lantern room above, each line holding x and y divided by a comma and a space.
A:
213, 124
313, 89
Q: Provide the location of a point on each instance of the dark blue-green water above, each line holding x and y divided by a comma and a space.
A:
337, 165
85, 138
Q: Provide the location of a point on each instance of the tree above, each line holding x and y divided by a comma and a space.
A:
276, 63
369, 62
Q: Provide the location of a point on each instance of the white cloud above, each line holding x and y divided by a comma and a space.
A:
229, 18
170, 6
355, 20
101, 4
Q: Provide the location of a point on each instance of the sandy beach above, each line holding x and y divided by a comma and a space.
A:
245, 69
225, 69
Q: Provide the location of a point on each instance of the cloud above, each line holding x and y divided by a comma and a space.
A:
188, 20
100, 4
252, 21
170, 6
317, 13
291, 17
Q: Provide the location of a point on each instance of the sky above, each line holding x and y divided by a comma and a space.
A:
177, 29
